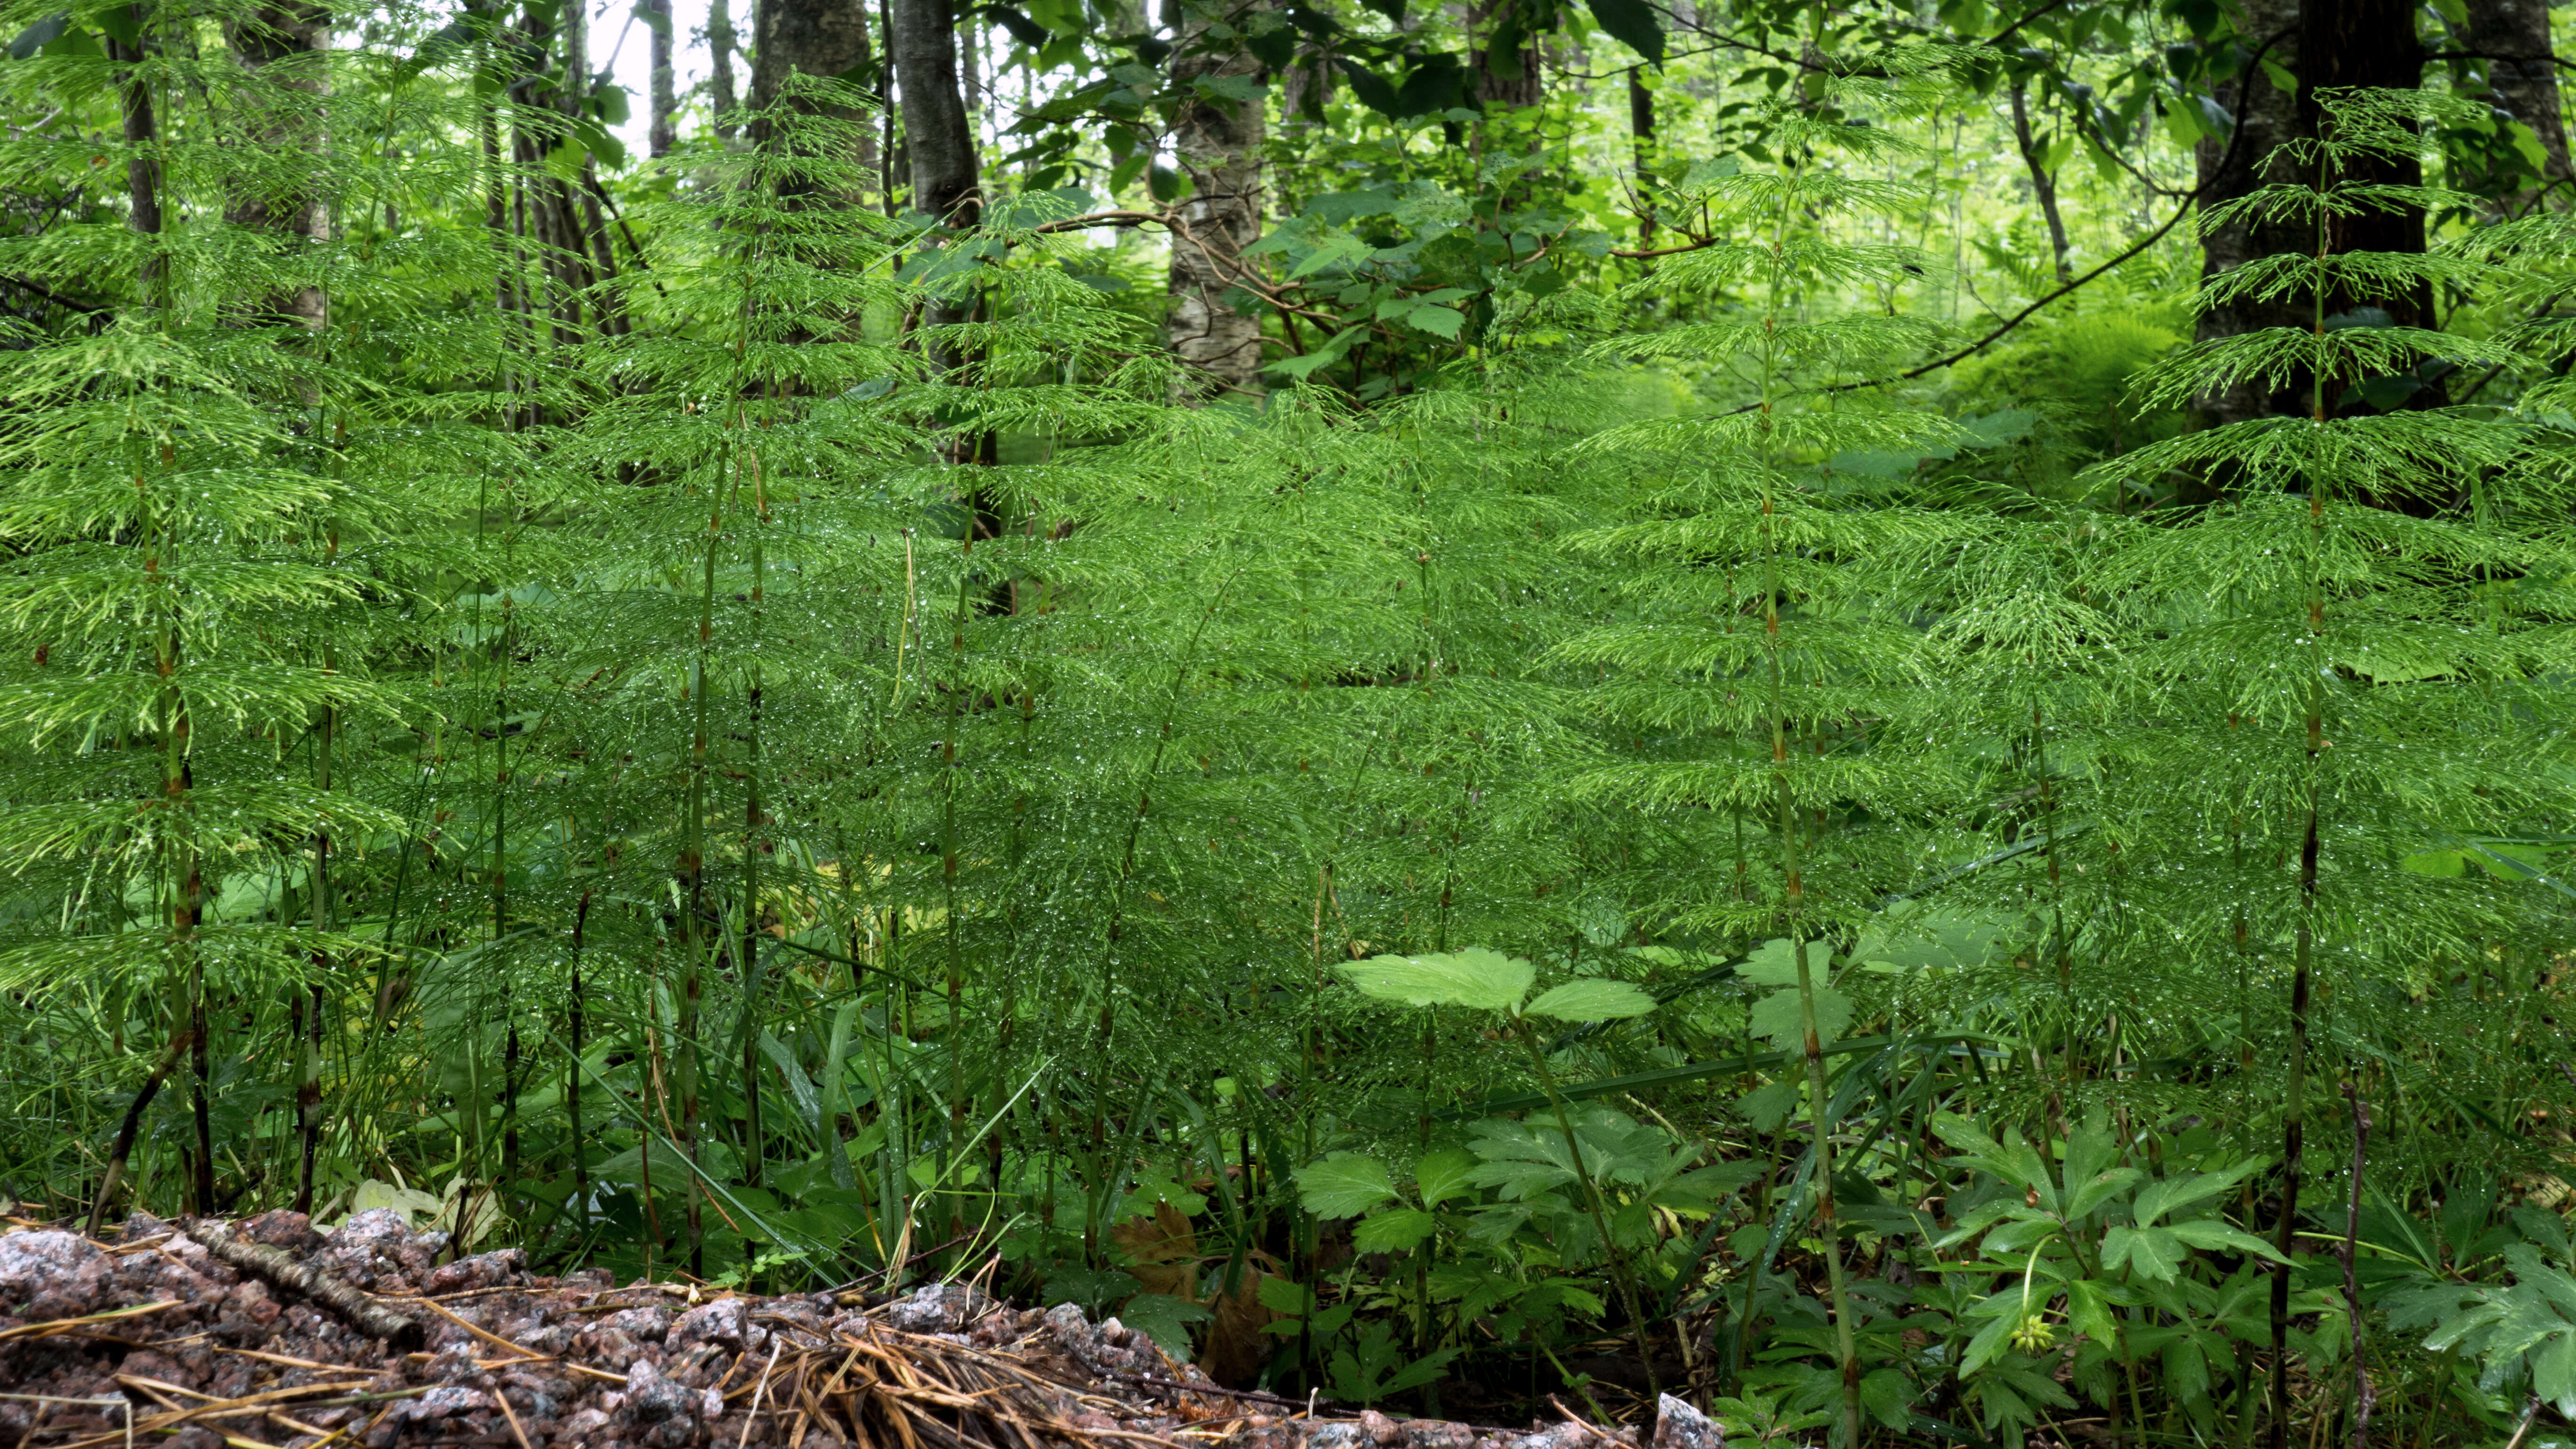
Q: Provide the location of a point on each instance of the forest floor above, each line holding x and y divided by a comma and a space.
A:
269, 1334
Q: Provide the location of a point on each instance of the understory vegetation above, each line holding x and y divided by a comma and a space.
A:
1597, 820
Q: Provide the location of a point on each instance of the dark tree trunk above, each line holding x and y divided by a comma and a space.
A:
286, 44
2367, 43
2512, 37
1218, 146
1641, 150
1505, 79
2043, 182
2233, 166
142, 129
935, 128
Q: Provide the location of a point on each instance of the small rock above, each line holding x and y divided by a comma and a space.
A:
723, 1323
649, 1324
483, 1270
1379, 1428
1679, 1426
652, 1399
938, 1308
46, 1274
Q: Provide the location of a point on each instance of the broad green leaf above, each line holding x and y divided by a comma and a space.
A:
2215, 1236
1442, 1175
1591, 999
1776, 1019
2090, 1196
1477, 978
1888, 1395
2553, 1372
1437, 320
1774, 963
1343, 1185
2151, 1253
1395, 1231
1635, 23
2088, 1309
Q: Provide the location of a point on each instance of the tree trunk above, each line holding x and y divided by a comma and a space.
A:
2043, 182
1217, 144
941, 141
142, 172
1641, 152
2367, 43
720, 47
2232, 166
1507, 78
2512, 36
286, 44
935, 127
661, 132
808, 37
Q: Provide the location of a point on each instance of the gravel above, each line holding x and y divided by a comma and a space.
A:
151, 1330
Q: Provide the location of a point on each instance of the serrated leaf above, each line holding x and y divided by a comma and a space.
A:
1164, 1319
1441, 322
1592, 998
1776, 1019
1442, 1175
1476, 978
1396, 1231
1343, 1185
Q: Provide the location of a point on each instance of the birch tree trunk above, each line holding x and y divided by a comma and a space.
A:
1216, 142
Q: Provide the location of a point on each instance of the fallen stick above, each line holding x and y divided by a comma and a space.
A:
278, 1270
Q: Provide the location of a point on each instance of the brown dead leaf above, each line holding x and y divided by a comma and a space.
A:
1162, 1251
1236, 1346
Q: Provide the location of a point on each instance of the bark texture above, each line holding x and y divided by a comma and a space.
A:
2230, 167
1506, 78
1217, 144
720, 47
285, 45
2512, 36
661, 131
935, 128
808, 37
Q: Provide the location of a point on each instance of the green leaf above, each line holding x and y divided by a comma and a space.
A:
1776, 1019
1164, 1319
1239, 89
1442, 1175
1395, 1231
2151, 1253
1343, 1185
39, 35
2090, 1196
1634, 23
1591, 998
1773, 963
1440, 322
2089, 1310
2215, 1236
1476, 978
